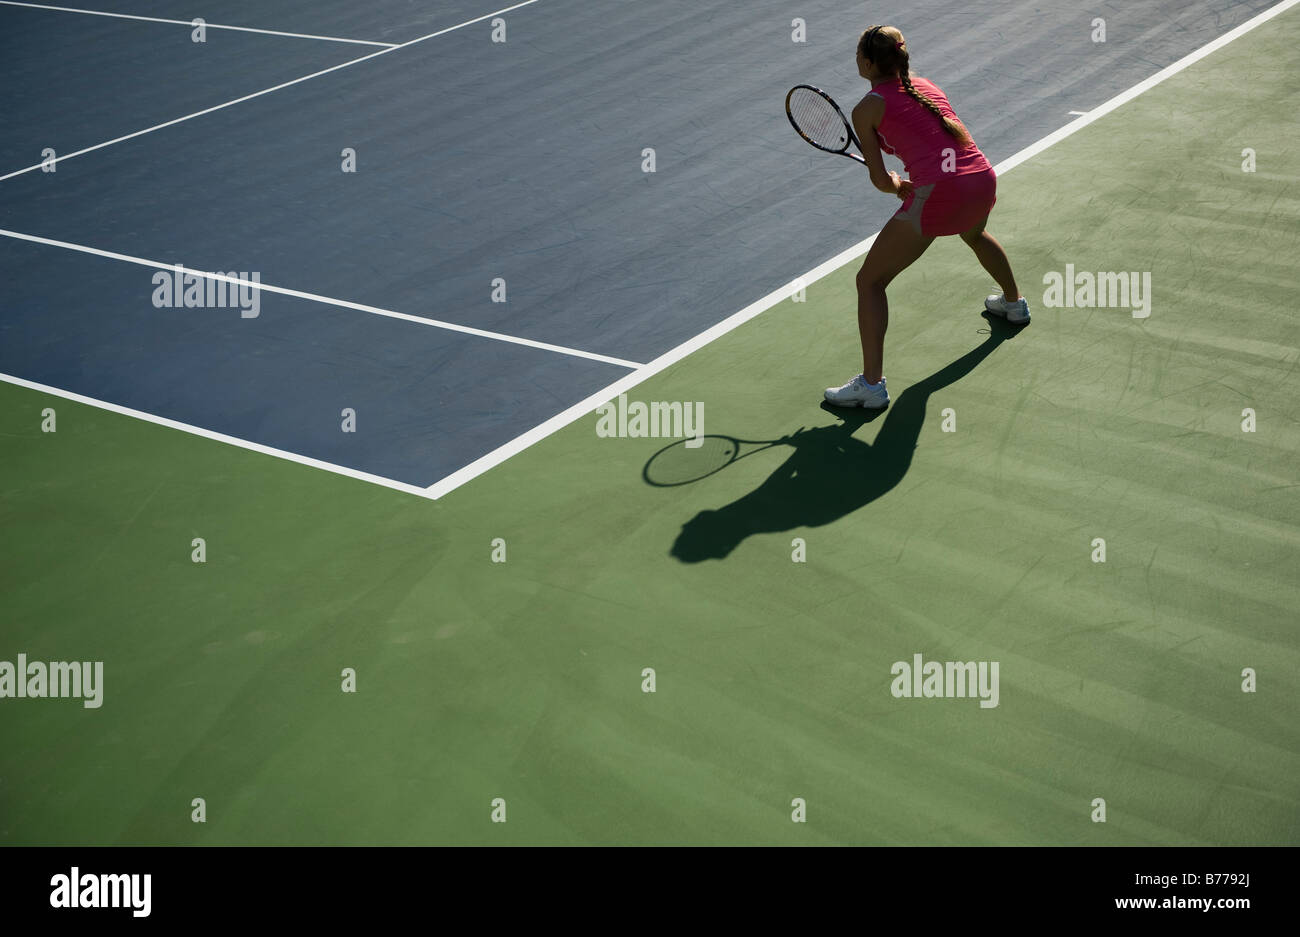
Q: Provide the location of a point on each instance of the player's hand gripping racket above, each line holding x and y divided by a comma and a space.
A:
679, 464
819, 120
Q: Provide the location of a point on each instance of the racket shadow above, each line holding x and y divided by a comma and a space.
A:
686, 461
830, 474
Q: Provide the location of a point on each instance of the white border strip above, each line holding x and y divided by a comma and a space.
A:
327, 300
258, 94
578, 410
156, 19
219, 437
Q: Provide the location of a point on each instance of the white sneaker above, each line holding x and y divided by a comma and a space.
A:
858, 393
1016, 313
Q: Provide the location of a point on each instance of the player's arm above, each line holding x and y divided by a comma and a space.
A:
866, 116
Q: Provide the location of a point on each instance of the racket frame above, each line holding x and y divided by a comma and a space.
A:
852, 137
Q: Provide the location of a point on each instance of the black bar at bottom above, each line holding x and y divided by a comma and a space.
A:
332, 886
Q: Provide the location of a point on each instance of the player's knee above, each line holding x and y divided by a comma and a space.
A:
869, 279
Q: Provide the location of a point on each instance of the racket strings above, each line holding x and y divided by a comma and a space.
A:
818, 119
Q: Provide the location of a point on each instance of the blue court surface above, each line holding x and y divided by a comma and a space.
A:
485, 170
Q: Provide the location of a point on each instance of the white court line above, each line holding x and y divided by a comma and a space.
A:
156, 19
219, 437
327, 300
1076, 113
536, 434
585, 407
258, 94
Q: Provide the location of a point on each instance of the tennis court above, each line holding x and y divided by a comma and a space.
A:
394, 472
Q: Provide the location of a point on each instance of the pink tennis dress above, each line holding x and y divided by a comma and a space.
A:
954, 185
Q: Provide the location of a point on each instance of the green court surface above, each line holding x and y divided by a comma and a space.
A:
522, 680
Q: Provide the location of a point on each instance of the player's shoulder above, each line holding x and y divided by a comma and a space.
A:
871, 105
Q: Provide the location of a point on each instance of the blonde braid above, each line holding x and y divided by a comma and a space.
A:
950, 125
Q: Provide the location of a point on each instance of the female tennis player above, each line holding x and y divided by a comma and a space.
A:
950, 189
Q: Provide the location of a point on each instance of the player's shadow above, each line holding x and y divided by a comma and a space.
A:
831, 474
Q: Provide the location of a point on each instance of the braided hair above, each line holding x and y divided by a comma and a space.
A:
887, 49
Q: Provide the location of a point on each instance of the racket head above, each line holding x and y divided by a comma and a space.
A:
678, 464
816, 117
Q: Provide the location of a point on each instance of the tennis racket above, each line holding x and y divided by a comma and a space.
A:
677, 464
819, 120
